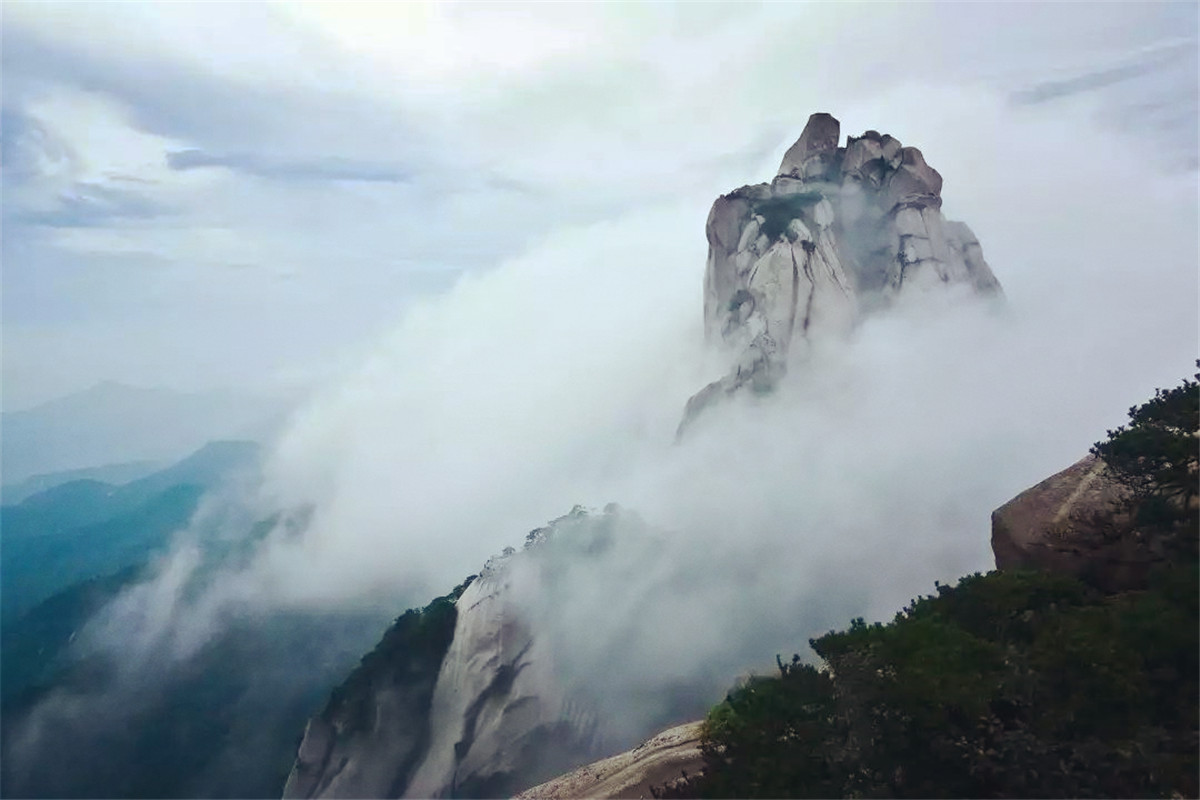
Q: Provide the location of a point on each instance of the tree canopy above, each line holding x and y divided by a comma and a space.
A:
1155, 456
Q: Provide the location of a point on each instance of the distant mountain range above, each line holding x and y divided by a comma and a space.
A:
13, 493
81, 721
120, 425
87, 528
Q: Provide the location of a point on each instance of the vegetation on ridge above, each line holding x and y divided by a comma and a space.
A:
411, 650
1155, 457
1010, 684
1015, 684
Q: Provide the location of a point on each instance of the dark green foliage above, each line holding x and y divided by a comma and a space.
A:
1155, 456
745, 735
410, 652
1015, 684
32, 646
777, 212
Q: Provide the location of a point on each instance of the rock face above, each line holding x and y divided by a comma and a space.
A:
1063, 524
374, 731
839, 232
499, 720
458, 700
634, 773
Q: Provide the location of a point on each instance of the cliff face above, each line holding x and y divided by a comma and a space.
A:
499, 719
375, 730
838, 233
461, 699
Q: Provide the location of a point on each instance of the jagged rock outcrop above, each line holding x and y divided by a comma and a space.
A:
635, 773
839, 232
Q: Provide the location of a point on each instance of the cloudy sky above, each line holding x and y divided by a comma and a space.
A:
208, 195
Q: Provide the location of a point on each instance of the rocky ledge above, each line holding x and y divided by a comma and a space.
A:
656, 762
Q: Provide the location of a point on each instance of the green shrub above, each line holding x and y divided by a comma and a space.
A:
1155, 456
1008, 684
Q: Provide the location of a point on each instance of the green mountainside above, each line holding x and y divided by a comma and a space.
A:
1011, 684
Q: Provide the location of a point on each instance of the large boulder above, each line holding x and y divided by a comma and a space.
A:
1075, 522
816, 149
913, 180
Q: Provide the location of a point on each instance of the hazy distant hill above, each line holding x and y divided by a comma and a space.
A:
115, 474
222, 723
112, 423
86, 528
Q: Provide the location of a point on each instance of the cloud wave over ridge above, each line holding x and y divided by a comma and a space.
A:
558, 378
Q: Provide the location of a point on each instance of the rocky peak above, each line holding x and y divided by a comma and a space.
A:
840, 232
815, 150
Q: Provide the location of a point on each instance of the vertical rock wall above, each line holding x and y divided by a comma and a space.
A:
460, 699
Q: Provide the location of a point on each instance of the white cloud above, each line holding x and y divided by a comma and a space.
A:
559, 377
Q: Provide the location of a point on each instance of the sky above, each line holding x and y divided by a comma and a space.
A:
204, 196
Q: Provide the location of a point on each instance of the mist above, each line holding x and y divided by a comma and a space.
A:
558, 377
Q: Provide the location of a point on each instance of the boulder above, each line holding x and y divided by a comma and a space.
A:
864, 159
1069, 523
914, 180
817, 144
